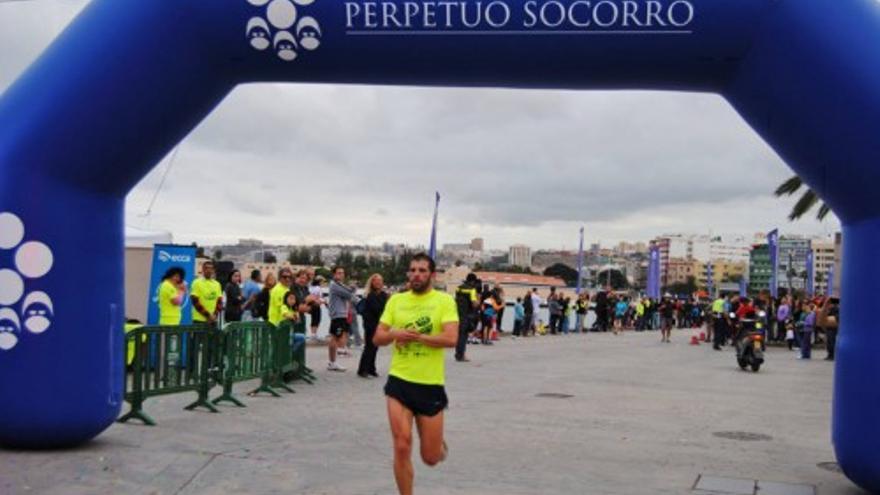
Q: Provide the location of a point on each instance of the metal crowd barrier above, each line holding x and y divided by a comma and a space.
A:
241, 351
159, 367
246, 353
291, 357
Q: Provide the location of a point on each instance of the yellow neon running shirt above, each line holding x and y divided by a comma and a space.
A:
426, 313
276, 303
209, 293
169, 313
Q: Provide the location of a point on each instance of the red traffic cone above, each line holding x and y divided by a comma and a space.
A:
695, 340
703, 336
493, 335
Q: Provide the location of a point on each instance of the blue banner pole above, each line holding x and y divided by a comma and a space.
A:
710, 282
580, 263
830, 291
773, 245
810, 275
432, 249
654, 273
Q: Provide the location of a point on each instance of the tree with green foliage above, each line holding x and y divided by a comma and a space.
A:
688, 287
316, 257
618, 279
563, 271
300, 256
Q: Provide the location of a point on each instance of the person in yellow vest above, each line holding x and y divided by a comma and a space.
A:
206, 296
420, 323
283, 306
277, 296
171, 295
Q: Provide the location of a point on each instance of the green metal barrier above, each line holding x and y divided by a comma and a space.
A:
160, 367
247, 352
300, 370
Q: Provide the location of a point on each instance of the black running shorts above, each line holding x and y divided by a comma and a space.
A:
422, 400
316, 315
338, 326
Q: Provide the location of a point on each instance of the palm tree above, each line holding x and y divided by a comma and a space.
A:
807, 201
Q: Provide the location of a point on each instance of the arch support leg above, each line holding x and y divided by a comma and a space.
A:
856, 407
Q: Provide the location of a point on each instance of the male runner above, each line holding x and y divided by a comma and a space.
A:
420, 323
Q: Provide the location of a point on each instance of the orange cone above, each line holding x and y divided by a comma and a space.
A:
493, 335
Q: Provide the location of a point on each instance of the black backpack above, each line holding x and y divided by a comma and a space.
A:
527, 304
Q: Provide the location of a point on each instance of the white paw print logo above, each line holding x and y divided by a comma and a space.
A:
32, 259
283, 29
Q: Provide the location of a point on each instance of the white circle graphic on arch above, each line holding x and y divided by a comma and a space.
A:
11, 287
10, 325
37, 310
34, 259
309, 33
11, 231
258, 33
281, 13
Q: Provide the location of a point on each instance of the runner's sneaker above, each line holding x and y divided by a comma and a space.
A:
333, 366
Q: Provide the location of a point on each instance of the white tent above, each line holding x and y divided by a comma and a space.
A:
138, 262
135, 237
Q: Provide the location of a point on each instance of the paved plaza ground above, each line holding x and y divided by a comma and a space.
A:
642, 419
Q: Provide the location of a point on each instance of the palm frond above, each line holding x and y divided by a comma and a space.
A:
789, 187
803, 205
824, 210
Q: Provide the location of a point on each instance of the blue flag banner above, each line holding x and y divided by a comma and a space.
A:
773, 244
710, 282
830, 291
811, 281
580, 263
743, 287
654, 272
432, 249
166, 256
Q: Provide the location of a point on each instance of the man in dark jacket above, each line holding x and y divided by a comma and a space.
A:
468, 303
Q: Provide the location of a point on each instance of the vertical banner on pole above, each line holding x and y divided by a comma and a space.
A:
773, 245
654, 272
810, 275
166, 256
830, 291
710, 281
580, 263
432, 249
743, 287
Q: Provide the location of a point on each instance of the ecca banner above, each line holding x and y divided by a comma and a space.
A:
166, 256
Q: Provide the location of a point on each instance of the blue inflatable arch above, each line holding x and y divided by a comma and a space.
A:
130, 78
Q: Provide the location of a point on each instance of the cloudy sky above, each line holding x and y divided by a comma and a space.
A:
320, 163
